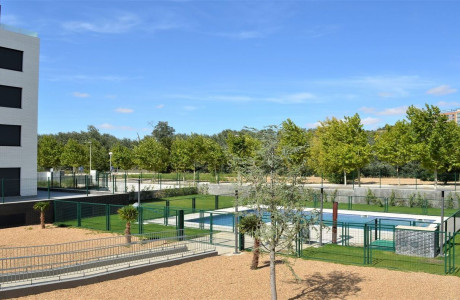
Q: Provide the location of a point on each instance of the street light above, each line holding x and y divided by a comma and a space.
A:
110, 154
90, 167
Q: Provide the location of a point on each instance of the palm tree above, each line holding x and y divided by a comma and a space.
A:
42, 206
128, 214
250, 224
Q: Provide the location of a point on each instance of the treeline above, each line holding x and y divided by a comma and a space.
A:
424, 145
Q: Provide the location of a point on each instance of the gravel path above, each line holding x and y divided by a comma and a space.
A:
229, 277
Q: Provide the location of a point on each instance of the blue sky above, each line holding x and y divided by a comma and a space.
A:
205, 66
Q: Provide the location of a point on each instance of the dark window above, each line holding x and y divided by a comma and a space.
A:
10, 96
11, 181
11, 59
10, 135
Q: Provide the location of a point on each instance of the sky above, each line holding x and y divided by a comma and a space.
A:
206, 66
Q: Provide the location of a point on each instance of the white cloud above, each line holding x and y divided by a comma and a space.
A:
292, 99
441, 90
401, 110
119, 24
80, 95
320, 31
244, 35
283, 99
106, 126
370, 121
124, 110
396, 86
448, 104
160, 106
312, 125
385, 95
367, 110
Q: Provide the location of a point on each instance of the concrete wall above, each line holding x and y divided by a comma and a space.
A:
25, 156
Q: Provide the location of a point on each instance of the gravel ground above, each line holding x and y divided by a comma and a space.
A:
229, 277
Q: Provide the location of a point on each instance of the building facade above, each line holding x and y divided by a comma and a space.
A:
19, 60
452, 115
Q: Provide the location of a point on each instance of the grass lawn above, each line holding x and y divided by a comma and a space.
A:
391, 209
380, 259
203, 202
117, 225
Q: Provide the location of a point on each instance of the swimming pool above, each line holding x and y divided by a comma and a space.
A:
355, 219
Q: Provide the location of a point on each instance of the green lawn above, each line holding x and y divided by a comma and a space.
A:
380, 259
203, 202
117, 225
391, 209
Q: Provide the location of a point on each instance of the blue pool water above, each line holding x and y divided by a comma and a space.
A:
228, 219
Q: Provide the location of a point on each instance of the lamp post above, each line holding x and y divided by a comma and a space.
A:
90, 154
110, 154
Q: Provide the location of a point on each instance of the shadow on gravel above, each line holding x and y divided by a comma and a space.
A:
334, 285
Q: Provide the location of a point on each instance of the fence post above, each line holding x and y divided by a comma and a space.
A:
126, 179
74, 180
210, 228
52, 178
49, 192
141, 177
241, 238
3, 190
166, 212
380, 178
140, 209
86, 185
193, 203
201, 219
78, 214
160, 180
107, 217
113, 184
180, 222
216, 201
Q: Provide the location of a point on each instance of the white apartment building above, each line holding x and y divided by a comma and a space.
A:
19, 60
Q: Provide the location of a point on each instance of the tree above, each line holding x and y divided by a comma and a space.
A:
179, 155
122, 157
128, 214
73, 154
250, 224
151, 155
42, 206
279, 197
49, 151
214, 156
100, 159
431, 140
295, 141
393, 145
164, 134
196, 150
241, 148
340, 146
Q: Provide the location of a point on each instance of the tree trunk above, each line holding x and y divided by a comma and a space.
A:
359, 177
273, 275
344, 177
435, 179
194, 171
255, 254
128, 232
397, 174
42, 219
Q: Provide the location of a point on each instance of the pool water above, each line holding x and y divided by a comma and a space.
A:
228, 219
